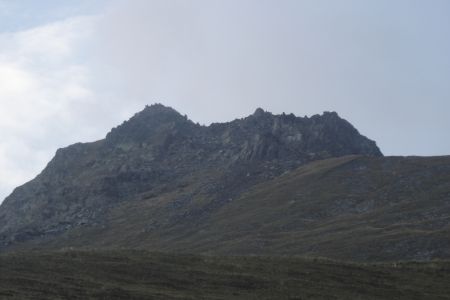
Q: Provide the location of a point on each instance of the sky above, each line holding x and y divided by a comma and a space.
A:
71, 70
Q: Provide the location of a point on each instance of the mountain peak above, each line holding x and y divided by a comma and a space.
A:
158, 111
259, 112
146, 122
158, 108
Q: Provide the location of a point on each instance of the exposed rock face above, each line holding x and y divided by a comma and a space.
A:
158, 151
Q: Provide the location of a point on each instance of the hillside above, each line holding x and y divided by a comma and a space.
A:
262, 185
142, 275
161, 163
352, 208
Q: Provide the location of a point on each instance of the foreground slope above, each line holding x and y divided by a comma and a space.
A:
143, 275
158, 155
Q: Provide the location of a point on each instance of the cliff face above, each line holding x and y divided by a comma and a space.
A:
158, 152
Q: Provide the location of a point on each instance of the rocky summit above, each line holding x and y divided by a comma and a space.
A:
162, 182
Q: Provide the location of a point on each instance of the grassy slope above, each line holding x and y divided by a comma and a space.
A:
144, 275
348, 208
355, 208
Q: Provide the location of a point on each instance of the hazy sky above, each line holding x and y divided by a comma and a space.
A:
70, 70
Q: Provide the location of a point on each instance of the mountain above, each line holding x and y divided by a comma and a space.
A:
264, 184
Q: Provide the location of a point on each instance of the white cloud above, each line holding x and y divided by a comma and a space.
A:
40, 84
